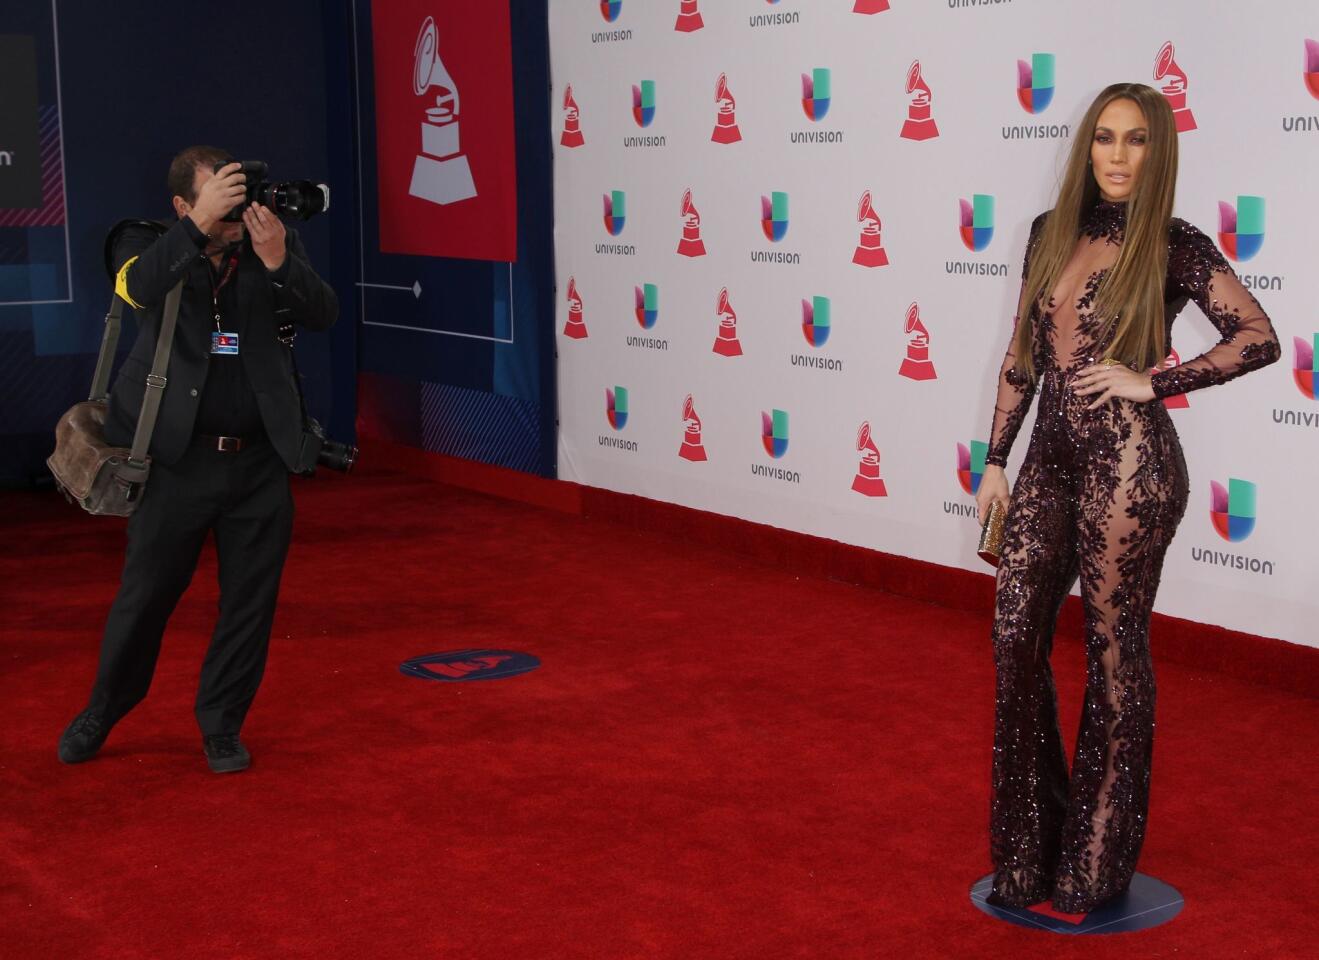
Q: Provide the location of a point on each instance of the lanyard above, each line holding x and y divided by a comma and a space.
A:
229, 269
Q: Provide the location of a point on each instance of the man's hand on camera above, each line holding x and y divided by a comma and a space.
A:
217, 196
267, 233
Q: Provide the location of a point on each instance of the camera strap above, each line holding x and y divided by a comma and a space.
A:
155, 388
156, 379
286, 334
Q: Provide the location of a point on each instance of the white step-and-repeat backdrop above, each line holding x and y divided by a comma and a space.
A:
789, 239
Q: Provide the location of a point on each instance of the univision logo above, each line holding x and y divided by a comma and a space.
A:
1300, 123
616, 407
1035, 82
643, 102
1312, 67
1305, 373
647, 300
1232, 508
1241, 228
1306, 370
971, 465
774, 432
774, 215
976, 221
816, 93
610, 9
615, 211
815, 320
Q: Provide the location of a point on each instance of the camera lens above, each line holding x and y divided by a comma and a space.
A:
337, 456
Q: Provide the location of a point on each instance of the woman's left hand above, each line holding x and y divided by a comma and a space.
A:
1111, 380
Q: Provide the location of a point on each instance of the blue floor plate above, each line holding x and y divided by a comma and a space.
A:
1147, 903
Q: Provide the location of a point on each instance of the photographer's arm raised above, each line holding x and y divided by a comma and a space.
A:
311, 301
147, 267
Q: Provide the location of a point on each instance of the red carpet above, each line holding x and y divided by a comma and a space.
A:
717, 759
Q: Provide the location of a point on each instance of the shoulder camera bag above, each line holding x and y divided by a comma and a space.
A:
106, 480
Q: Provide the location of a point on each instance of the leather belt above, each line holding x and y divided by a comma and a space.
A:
222, 444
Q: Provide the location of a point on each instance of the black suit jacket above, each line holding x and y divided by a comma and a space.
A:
297, 294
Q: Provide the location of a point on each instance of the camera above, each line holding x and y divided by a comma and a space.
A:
316, 451
300, 199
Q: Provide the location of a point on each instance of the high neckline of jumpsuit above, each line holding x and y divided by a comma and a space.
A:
1107, 218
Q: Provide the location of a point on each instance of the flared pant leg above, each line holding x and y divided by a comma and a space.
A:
1132, 500
1029, 778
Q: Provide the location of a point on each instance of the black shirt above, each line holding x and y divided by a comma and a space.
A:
228, 405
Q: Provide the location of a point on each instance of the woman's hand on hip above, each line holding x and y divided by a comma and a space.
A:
1111, 380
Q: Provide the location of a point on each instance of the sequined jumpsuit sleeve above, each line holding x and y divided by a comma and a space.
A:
1198, 271
1015, 391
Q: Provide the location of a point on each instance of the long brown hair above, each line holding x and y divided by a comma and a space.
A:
1131, 294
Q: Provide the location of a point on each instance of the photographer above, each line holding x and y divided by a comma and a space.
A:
228, 432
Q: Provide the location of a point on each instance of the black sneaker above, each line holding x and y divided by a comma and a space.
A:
83, 737
225, 753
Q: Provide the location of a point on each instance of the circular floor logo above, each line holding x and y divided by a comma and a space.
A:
470, 665
1146, 903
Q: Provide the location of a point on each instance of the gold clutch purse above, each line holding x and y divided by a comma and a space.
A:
991, 534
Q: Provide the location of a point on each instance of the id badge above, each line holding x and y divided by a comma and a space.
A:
224, 343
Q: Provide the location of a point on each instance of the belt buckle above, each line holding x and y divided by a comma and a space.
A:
228, 444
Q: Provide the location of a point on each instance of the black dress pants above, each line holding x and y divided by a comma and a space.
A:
244, 499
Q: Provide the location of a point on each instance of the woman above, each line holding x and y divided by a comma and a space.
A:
1100, 493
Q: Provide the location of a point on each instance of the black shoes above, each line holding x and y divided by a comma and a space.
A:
87, 732
225, 753
83, 737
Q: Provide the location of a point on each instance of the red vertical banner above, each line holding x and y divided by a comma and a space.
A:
446, 166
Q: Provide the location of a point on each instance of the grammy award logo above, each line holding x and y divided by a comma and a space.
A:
920, 123
689, 16
726, 343
869, 248
441, 173
725, 124
1165, 68
916, 365
572, 121
691, 244
692, 449
1177, 401
867, 481
575, 328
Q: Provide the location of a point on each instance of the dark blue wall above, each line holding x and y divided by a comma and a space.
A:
479, 399
277, 82
139, 81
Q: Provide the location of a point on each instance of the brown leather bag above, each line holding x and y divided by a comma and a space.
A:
106, 480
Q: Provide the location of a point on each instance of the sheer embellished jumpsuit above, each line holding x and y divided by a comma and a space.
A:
1099, 496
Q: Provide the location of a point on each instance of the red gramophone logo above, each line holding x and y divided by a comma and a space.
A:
916, 365
867, 481
869, 248
689, 17
1165, 68
920, 123
572, 121
870, 6
725, 124
575, 328
691, 244
726, 343
692, 449
1177, 401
